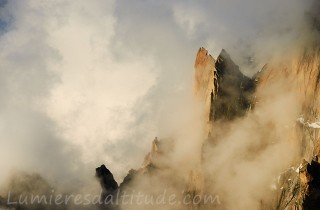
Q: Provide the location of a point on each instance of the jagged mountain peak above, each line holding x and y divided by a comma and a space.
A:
107, 181
203, 57
224, 54
221, 86
204, 78
225, 63
228, 94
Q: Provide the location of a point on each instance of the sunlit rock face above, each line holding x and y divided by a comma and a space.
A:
299, 75
299, 188
152, 154
225, 91
298, 72
228, 96
205, 78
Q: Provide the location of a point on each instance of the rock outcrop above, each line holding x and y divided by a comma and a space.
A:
107, 181
234, 90
299, 188
300, 75
205, 79
227, 94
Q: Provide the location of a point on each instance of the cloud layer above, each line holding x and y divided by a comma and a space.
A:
84, 83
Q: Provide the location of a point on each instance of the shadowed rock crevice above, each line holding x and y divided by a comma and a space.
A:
106, 178
234, 92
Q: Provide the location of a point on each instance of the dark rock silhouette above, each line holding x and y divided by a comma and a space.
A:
234, 92
107, 181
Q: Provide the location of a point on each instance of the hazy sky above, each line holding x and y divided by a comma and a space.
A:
89, 82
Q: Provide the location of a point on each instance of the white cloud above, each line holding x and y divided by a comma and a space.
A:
58, 70
94, 99
100, 77
188, 18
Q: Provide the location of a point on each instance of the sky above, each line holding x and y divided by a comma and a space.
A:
85, 83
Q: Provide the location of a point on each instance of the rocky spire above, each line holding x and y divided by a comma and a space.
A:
233, 96
205, 78
107, 181
220, 84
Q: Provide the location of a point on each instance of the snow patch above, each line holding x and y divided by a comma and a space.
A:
315, 125
299, 168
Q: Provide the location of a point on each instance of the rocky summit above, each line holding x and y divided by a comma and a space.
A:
228, 96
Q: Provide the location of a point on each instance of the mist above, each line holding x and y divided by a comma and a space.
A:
85, 83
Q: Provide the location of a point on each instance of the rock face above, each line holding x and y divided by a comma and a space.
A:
227, 94
205, 79
302, 75
310, 185
233, 90
303, 72
107, 181
300, 188
152, 154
